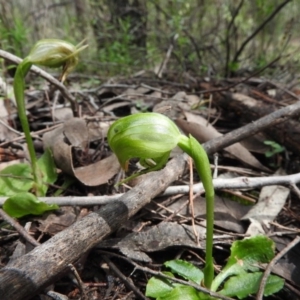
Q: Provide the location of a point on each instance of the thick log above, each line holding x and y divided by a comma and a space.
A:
248, 109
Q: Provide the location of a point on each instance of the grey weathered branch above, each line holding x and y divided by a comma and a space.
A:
219, 184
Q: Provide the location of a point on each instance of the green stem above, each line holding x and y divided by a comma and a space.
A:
191, 146
19, 87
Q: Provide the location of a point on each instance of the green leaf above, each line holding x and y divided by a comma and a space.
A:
245, 255
244, 285
23, 204
247, 252
67, 181
21, 179
164, 289
274, 284
159, 287
185, 269
185, 292
47, 167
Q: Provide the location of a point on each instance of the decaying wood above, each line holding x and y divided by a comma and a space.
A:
248, 110
29, 274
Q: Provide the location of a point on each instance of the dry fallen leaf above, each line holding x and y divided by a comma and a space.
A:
227, 212
160, 237
73, 135
203, 132
271, 201
55, 222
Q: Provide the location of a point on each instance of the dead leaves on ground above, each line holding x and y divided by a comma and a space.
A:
80, 150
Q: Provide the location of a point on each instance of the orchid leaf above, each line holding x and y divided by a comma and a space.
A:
185, 269
48, 170
185, 292
158, 287
247, 284
23, 204
15, 179
245, 256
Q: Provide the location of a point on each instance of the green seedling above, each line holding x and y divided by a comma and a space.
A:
17, 180
151, 137
239, 278
275, 148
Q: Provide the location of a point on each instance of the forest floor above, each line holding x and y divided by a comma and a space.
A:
256, 173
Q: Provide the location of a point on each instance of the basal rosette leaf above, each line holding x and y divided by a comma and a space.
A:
15, 179
23, 204
47, 169
185, 269
245, 256
248, 284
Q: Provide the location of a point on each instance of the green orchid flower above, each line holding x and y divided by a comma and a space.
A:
49, 53
55, 53
151, 137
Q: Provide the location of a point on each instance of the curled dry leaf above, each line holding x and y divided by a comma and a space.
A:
203, 132
156, 238
74, 135
271, 200
175, 105
227, 212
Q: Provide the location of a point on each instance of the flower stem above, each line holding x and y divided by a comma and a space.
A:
19, 87
191, 146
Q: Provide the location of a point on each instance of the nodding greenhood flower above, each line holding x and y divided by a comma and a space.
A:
144, 136
152, 136
54, 53
50, 53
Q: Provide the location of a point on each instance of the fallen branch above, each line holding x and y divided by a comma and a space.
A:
277, 117
219, 184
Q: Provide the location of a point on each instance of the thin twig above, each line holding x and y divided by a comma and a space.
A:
10, 128
33, 134
227, 39
295, 189
167, 57
250, 129
258, 29
291, 230
268, 270
19, 228
127, 281
219, 184
228, 87
80, 283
